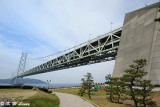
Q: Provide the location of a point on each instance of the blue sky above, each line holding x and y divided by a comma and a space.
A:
43, 27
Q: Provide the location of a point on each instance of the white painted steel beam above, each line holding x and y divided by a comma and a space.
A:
103, 48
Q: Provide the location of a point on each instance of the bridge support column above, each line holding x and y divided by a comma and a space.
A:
21, 67
140, 38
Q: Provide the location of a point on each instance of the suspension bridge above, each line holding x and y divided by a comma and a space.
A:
140, 39
100, 49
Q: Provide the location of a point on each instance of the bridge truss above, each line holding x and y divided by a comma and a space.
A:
103, 48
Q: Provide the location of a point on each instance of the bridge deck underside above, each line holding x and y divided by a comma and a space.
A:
103, 48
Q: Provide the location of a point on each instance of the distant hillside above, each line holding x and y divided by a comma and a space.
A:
25, 81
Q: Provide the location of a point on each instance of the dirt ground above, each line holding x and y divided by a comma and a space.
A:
16, 94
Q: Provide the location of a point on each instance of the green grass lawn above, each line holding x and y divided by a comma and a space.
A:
42, 99
37, 99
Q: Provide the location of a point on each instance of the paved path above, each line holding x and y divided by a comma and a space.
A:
68, 100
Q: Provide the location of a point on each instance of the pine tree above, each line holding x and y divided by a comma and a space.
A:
89, 83
86, 85
132, 76
145, 93
114, 88
83, 87
109, 87
118, 88
157, 19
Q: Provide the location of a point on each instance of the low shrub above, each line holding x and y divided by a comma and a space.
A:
45, 90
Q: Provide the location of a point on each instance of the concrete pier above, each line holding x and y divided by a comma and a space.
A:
140, 39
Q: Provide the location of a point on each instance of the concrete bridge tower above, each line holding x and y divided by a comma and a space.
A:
140, 38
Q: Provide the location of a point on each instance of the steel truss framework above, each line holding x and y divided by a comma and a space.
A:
103, 48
